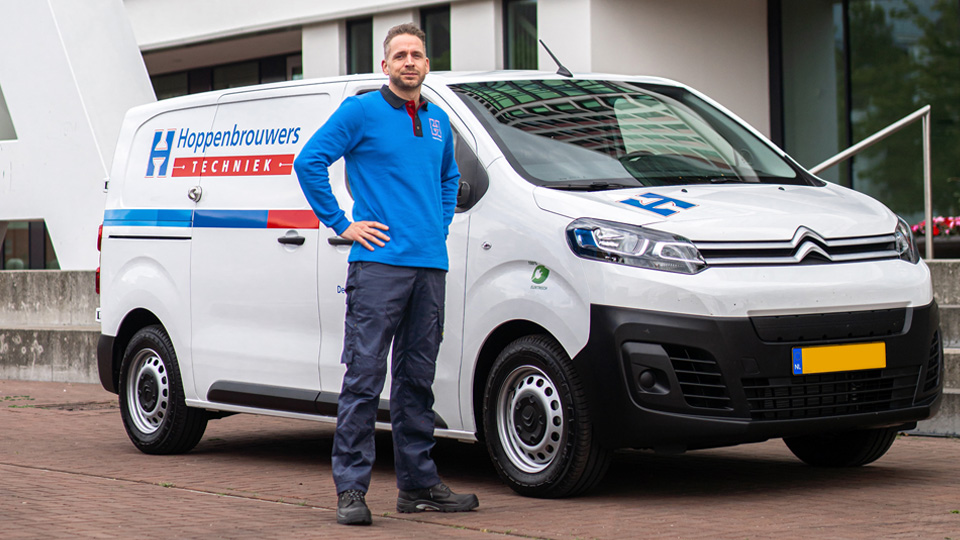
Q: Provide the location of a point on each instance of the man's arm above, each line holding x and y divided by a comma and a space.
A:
449, 180
336, 137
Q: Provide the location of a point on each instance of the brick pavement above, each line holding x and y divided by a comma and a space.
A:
68, 470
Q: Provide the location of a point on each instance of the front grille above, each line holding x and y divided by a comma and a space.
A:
806, 247
933, 365
830, 326
831, 394
699, 376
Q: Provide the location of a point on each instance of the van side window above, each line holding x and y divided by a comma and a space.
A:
473, 177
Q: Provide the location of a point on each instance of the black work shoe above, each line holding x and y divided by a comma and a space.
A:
438, 497
352, 508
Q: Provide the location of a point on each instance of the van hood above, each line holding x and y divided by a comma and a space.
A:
730, 212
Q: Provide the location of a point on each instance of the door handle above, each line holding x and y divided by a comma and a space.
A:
291, 240
338, 241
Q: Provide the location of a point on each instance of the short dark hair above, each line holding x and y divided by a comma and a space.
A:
400, 29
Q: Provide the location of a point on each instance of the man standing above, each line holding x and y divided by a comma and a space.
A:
399, 158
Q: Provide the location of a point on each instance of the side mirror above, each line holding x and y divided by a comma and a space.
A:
463, 194
473, 178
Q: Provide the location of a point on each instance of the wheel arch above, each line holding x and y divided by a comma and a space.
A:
495, 342
132, 322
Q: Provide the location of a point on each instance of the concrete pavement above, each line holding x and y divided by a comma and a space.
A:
67, 469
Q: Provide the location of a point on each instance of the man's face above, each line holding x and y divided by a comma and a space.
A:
406, 63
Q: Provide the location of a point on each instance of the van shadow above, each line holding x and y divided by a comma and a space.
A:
310, 444
697, 473
632, 473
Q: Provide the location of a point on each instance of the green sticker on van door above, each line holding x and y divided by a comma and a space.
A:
540, 274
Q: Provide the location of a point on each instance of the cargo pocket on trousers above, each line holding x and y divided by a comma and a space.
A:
349, 320
349, 343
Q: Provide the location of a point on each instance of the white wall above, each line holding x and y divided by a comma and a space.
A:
69, 71
476, 36
564, 25
324, 51
717, 46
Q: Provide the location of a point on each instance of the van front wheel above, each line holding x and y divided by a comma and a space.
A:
537, 422
152, 405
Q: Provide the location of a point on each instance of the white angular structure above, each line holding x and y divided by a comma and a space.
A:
68, 73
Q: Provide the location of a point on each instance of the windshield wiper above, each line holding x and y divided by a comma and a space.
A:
725, 179
592, 186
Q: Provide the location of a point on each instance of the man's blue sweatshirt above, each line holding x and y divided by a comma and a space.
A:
405, 181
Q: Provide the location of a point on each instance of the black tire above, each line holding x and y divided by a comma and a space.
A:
537, 423
151, 397
848, 449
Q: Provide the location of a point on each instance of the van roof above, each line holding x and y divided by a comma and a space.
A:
434, 79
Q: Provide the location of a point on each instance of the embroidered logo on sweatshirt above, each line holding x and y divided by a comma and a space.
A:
435, 129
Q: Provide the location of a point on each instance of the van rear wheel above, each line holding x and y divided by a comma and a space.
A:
848, 449
537, 422
152, 406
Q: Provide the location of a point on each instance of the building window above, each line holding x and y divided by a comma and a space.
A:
235, 75
360, 46
520, 34
435, 23
850, 68
295, 67
25, 245
260, 71
171, 85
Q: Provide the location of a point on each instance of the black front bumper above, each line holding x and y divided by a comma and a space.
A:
678, 382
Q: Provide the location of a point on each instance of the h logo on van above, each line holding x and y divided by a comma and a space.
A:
160, 153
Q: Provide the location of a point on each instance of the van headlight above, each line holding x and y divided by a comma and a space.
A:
634, 246
905, 244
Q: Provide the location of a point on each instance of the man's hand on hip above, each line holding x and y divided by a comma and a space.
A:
366, 232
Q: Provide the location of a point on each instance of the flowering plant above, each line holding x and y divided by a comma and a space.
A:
942, 226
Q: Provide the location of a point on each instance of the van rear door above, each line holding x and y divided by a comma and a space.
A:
147, 223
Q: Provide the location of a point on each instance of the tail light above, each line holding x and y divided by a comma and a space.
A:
99, 243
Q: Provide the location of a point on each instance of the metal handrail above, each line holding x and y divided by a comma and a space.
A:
924, 114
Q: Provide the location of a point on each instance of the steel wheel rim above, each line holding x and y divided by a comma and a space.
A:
528, 401
148, 391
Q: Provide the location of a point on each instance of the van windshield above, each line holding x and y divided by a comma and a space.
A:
595, 135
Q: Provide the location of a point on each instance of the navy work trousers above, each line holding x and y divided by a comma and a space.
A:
403, 305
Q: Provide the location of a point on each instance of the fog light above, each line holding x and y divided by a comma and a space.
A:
647, 380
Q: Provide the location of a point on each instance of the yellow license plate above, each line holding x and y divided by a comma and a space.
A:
832, 358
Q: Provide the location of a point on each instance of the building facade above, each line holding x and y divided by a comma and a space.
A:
814, 75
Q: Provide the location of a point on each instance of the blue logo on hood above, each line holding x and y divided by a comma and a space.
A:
658, 204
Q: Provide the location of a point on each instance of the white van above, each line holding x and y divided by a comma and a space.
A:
631, 266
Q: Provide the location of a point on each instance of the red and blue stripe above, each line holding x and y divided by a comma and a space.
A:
208, 218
